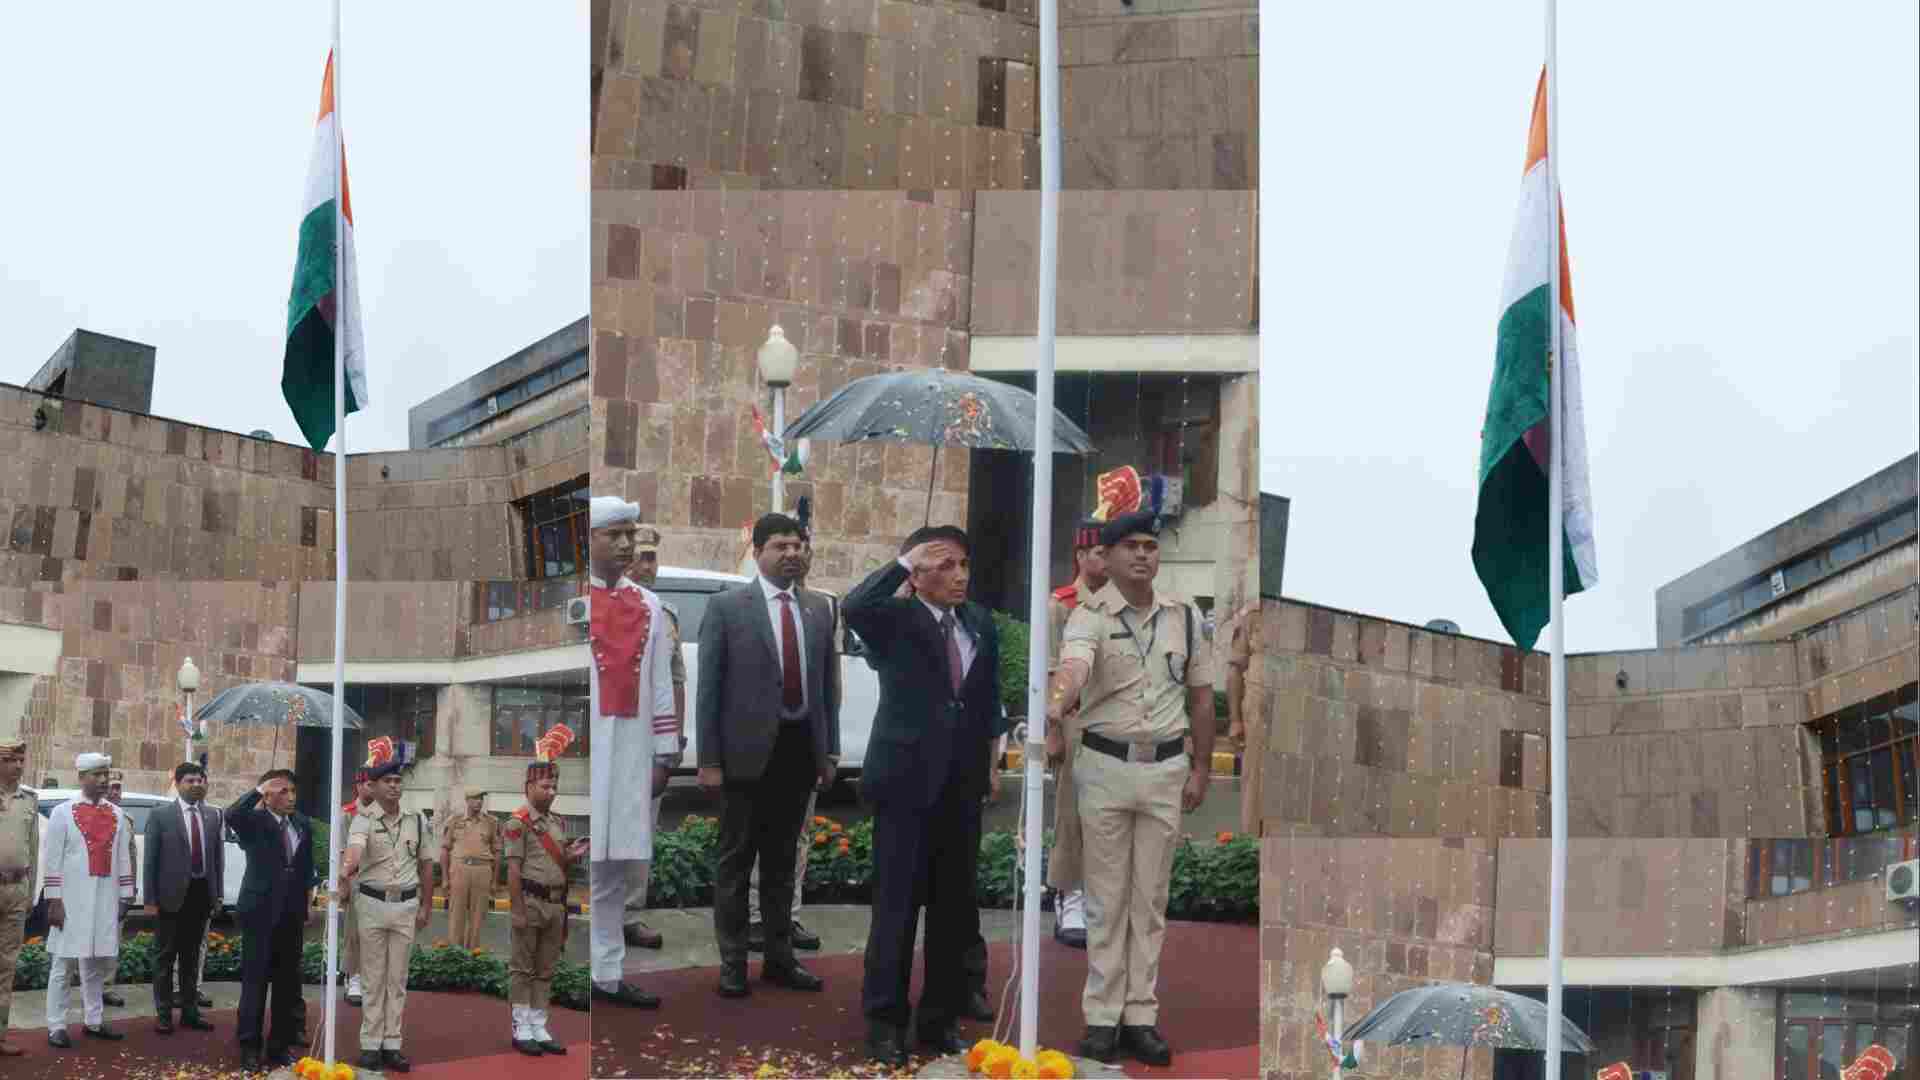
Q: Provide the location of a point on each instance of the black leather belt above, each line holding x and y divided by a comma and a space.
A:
1147, 753
391, 896
539, 891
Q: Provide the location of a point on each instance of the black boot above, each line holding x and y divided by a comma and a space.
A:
1102, 1044
1144, 1043
885, 1045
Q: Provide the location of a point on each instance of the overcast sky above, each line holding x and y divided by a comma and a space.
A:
1740, 190
156, 159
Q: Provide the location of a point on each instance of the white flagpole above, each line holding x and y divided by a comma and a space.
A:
1036, 751
1556, 575
340, 293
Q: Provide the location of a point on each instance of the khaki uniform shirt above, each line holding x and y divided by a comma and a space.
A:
523, 843
19, 832
474, 836
390, 846
677, 665
1057, 614
1139, 670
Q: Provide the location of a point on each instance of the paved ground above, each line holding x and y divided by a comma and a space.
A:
697, 1033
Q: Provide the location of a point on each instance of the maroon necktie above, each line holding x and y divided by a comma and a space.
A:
790, 694
955, 671
199, 867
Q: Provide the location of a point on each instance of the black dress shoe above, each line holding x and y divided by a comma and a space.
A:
60, 1039
395, 1061
1071, 938
979, 1007
756, 937
733, 981
1144, 1044
370, 1059
805, 939
885, 1046
113, 999
628, 995
249, 1058
793, 977
192, 1022
551, 1047
102, 1032
277, 1059
943, 1041
528, 1047
644, 937
1102, 1044
164, 1025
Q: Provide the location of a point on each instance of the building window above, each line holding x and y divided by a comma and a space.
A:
556, 530
1867, 759
1752, 595
404, 713
521, 714
494, 601
1785, 867
1823, 1032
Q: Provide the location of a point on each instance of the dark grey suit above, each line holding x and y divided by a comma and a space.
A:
770, 757
185, 901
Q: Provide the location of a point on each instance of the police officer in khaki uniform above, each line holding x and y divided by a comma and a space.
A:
386, 861
470, 852
19, 851
537, 860
645, 571
1142, 669
1063, 862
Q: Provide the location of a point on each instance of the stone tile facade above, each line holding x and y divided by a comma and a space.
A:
1403, 912
1131, 262
1365, 727
815, 94
686, 287
1159, 94
435, 620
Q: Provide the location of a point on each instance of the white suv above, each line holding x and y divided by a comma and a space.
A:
137, 806
688, 591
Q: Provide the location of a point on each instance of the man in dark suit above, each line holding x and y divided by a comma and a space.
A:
927, 771
182, 872
768, 737
273, 911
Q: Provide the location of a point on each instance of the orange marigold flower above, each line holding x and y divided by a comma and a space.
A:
1224, 837
819, 820
1025, 1069
1000, 1062
819, 838
978, 1055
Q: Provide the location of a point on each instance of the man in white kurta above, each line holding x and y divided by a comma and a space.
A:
89, 884
634, 734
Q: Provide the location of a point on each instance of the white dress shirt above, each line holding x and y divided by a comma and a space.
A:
774, 605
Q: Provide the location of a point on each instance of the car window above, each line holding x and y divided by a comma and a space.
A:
690, 607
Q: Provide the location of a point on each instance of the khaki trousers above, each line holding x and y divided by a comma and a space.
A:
350, 938
386, 934
14, 908
536, 950
469, 895
1064, 862
1130, 815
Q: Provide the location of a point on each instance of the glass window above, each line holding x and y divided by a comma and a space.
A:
521, 714
1849, 549
1868, 752
1756, 595
1805, 571
556, 523
689, 607
1895, 529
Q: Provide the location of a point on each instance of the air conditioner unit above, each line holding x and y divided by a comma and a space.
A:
493, 406
1903, 880
1650, 1074
577, 611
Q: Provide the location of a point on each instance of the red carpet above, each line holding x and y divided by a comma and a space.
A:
448, 1035
1209, 980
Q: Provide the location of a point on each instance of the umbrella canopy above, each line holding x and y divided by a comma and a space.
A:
935, 407
274, 704
1461, 1014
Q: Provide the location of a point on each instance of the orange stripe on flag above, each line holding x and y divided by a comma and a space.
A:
1537, 152
326, 90
326, 110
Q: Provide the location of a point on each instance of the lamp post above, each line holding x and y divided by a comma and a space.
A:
189, 681
1337, 980
778, 359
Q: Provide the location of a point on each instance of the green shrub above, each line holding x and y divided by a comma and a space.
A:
1014, 643
1213, 880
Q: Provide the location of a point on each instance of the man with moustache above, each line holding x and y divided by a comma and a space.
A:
385, 872
1063, 863
538, 856
1141, 667
275, 905
644, 571
635, 734
19, 854
768, 679
349, 928
470, 852
89, 886
183, 870
928, 765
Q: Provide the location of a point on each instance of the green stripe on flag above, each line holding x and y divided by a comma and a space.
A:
307, 372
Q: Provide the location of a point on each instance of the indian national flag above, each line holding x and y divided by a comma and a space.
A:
314, 311
1510, 542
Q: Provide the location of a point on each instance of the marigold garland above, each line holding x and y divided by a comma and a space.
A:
1003, 1062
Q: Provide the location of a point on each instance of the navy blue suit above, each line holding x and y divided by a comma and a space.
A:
272, 912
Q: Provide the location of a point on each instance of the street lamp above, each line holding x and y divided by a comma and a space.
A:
1337, 980
778, 359
189, 681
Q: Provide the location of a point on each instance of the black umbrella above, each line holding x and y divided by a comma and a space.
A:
275, 705
1464, 1015
935, 407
